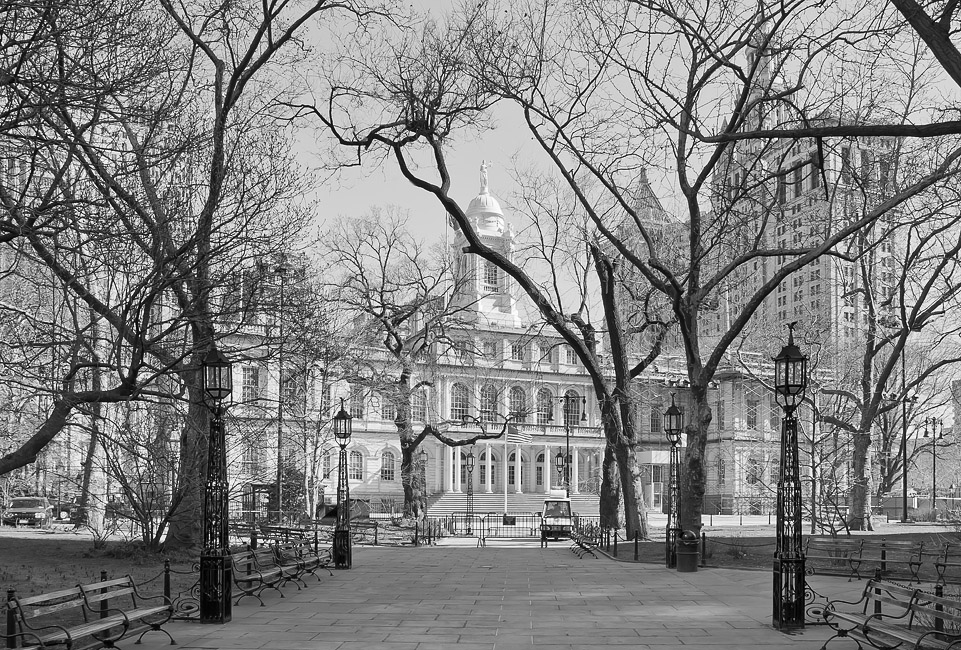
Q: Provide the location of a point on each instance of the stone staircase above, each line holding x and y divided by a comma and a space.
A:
586, 505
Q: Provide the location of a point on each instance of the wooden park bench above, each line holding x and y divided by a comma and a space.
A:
302, 559
85, 616
831, 555
948, 560
886, 554
581, 545
893, 616
255, 570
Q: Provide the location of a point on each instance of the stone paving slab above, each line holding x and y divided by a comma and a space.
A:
509, 598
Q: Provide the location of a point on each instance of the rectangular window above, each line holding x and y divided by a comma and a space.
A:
518, 351
721, 471
798, 185
781, 190
356, 402
719, 415
288, 389
387, 410
815, 172
250, 383
490, 276
866, 167
570, 357
657, 473
490, 349
753, 406
656, 426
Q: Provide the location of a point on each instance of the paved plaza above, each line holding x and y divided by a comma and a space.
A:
508, 596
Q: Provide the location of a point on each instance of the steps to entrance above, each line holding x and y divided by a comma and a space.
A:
587, 505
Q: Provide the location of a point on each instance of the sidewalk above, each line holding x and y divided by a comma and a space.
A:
508, 596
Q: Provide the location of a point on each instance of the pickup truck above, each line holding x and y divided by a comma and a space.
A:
556, 519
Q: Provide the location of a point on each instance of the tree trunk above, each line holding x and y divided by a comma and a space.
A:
694, 476
186, 524
610, 490
860, 515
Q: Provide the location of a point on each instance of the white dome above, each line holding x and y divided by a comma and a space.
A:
484, 208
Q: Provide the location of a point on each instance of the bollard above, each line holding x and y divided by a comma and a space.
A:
167, 579
416, 528
104, 607
703, 549
253, 538
939, 622
11, 639
615, 543
376, 528
315, 538
635, 546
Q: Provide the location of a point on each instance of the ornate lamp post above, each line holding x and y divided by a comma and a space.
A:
341, 546
560, 463
673, 425
470, 490
564, 462
215, 569
281, 271
934, 456
790, 382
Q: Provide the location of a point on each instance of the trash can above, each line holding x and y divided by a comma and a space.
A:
686, 547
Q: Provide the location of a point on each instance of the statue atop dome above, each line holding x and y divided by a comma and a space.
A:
483, 178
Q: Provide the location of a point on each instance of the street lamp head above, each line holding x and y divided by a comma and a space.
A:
217, 380
470, 460
673, 422
790, 373
559, 462
342, 426
584, 409
422, 457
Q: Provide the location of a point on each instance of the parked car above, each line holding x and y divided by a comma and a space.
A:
28, 511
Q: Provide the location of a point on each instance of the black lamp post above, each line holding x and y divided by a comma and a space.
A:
215, 568
470, 490
564, 462
341, 546
790, 382
934, 456
673, 424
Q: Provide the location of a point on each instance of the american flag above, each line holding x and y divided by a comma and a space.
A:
517, 437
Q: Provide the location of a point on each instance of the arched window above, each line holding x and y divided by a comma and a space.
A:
418, 405
518, 404
544, 405
387, 466
459, 402
572, 409
539, 471
355, 466
656, 425
488, 403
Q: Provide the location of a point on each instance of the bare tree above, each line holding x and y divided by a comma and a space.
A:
606, 90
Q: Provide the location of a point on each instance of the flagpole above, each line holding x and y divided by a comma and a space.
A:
505, 470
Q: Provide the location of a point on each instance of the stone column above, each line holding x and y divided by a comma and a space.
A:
489, 481
547, 469
458, 461
518, 483
575, 470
